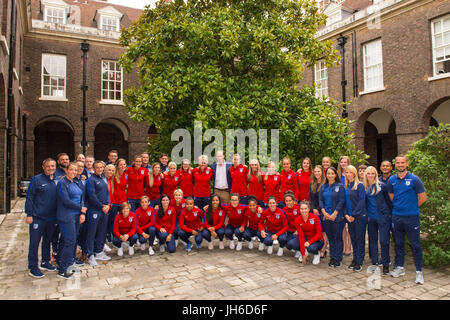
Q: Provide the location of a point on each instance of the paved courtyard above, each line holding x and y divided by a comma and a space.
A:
203, 274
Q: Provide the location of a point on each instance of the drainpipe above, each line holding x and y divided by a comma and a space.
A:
84, 88
341, 43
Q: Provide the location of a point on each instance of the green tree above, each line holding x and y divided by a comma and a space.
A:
235, 64
429, 159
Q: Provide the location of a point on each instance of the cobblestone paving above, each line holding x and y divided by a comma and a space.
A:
203, 274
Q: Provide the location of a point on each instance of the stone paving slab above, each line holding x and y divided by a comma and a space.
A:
203, 274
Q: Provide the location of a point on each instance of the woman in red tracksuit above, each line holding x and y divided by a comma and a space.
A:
214, 222
125, 229
292, 211
235, 213
304, 180
272, 183
239, 173
309, 234
251, 220
186, 178
202, 182
255, 179
289, 181
272, 226
191, 223
171, 180
137, 176
165, 223
154, 182
146, 225
179, 204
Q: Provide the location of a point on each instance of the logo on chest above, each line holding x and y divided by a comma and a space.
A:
142, 171
295, 212
311, 221
239, 211
407, 182
130, 220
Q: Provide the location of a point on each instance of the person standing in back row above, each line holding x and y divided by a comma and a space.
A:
221, 177
407, 194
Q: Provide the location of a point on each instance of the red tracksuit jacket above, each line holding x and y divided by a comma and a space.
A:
304, 180
255, 187
202, 180
186, 182
309, 229
239, 180
124, 225
136, 180
289, 181
154, 192
251, 219
178, 208
191, 220
145, 218
118, 190
291, 215
218, 219
235, 215
168, 220
275, 222
272, 187
170, 184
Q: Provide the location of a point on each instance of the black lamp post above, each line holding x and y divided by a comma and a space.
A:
341, 43
85, 48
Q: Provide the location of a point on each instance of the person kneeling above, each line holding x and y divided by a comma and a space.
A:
125, 229
272, 226
191, 223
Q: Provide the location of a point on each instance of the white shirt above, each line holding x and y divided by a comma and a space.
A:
221, 177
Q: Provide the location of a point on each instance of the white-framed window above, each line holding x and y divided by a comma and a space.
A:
440, 34
53, 76
110, 23
55, 15
112, 81
334, 17
321, 79
373, 65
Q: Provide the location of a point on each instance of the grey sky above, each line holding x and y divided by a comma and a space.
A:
133, 3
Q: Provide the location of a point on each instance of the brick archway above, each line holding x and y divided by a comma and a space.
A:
109, 135
437, 112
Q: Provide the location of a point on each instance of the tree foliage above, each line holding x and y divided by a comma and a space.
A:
429, 159
234, 64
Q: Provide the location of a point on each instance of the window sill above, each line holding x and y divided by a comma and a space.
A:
116, 103
4, 45
371, 91
442, 76
53, 99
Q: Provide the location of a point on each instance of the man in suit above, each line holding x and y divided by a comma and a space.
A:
221, 177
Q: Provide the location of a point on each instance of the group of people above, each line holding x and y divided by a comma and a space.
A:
88, 203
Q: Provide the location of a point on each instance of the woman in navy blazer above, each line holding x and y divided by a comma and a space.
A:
379, 211
70, 210
356, 215
331, 203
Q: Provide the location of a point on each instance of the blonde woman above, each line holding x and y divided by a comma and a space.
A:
379, 211
356, 215
202, 182
171, 179
343, 163
255, 182
272, 183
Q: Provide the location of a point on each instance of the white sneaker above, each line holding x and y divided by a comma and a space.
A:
162, 248
176, 243
239, 246
150, 251
300, 258
143, 246
232, 244
102, 256
275, 242
280, 252
250, 245
131, 250
156, 241
120, 251
397, 272
106, 248
372, 268
221, 246
306, 252
210, 245
316, 259
261, 246
419, 277
269, 249
297, 254
92, 262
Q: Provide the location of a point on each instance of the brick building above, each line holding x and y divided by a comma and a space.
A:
395, 69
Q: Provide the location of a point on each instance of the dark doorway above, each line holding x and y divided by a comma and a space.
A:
51, 138
109, 137
379, 146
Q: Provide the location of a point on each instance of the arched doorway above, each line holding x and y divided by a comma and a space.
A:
109, 135
440, 113
52, 136
380, 138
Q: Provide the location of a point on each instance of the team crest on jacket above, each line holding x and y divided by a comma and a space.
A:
241, 170
142, 171
149, 213
94, 216
159, 178
278, 216
220, 213
336, 189
176, 178
183, 205
35, 226
239, 211
195, 214
407, 182
130, 219
207, 171
311, 221
169, 212
275, 178
259, 215
126, 177
289, 176
295, 212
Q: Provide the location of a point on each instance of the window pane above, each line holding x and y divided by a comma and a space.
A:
447, 37
118, 96
446, 24
439, 54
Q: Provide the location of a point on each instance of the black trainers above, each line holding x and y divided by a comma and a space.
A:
65, 275
357, 267
385, 270
331, 263
352, 265
337, 264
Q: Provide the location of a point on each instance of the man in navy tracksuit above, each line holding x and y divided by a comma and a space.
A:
40, 207
98, 200
407, 193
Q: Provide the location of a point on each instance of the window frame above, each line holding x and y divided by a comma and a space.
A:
320, 80
108, 101
443, 45
102, 18
53, 97
64, 17
365, 67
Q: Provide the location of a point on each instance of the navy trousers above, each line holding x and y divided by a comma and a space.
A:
230, 230
249, 234
162, 240
151, 231
314, 248
201, 202
111, 216
40, 229
357, 230
131, 240
379, 231
96, 231
185, 236
67, 243
207, 234
407, 226
282, 239
134, 203
334, 231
